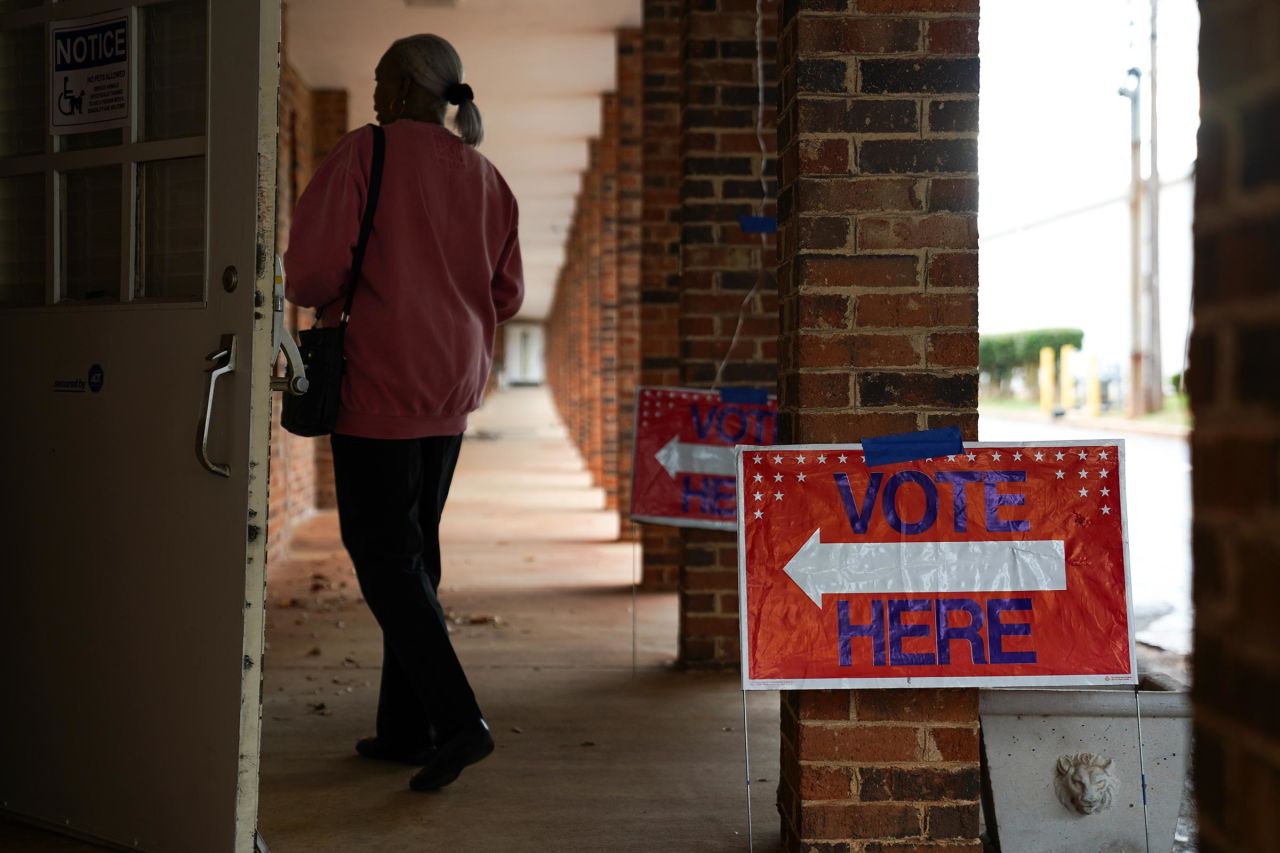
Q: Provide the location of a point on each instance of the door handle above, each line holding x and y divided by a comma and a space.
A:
228, 352
295, 379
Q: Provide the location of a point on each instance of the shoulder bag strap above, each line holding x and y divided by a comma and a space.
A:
366, 222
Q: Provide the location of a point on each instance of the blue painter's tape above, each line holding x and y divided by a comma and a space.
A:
910, 446
758, 224
745, 396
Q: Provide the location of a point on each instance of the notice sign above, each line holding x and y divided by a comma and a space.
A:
684, 465
1004, 565
89, 87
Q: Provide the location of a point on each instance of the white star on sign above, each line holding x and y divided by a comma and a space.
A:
1106, 510
777, 478
1039, 456
996, 456
822, 459
1084, 493
1061, 475
972, 457
1102, 454
800, 477
951, 458
759, 477
1084, 475
759, 514
757, 459
842, 458
800, 458
861, 458
777, 496
1083, 455
777, 460
1017, 457
759, 496
1106, 492
1103, 473
1058, 456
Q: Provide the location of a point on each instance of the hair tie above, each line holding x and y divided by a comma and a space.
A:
457, 93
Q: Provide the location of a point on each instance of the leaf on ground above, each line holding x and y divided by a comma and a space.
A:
314, 653
517, 730
587, 743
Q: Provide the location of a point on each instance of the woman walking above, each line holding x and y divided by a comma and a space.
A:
441, 270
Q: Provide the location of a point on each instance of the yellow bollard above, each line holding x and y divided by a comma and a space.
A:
1048, 381
1093, 393
1067, 379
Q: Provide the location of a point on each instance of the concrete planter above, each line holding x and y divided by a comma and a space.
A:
1062, 767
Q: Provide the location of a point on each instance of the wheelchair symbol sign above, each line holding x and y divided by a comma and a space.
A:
90, 72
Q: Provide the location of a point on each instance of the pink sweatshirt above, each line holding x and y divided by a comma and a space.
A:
442, 270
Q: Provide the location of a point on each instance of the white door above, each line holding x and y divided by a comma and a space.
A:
132, 566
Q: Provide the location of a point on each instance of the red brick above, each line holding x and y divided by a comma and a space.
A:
903, 310
956, 744
952, 36
938, 231
823, 311
858, 194
858, 820
953, 270
824, 156
857, 35
860, 271
819, 782
823, 704
873, 7
921, 705
823, 428
953, 349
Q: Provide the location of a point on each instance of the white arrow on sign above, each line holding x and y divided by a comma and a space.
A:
938, 567
678, 456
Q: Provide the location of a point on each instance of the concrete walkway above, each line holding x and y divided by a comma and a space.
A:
591, 756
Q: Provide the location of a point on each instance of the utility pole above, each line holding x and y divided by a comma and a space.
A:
1136, 399
1154, 377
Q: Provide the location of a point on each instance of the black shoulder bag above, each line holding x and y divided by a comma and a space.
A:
316, 411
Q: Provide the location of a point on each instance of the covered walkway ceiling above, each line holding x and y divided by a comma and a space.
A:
538, 68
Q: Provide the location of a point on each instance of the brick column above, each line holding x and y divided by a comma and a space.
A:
721, 171
660, 245
878, 282
1235, 446
330, 121
630, 167
607, 205
592, 300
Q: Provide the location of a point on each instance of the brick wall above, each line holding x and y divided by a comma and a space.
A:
630, 72
660, 245
721, 171
607, 318
878, 285
311, 122
1235, 445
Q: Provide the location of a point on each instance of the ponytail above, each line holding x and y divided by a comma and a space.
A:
435, 69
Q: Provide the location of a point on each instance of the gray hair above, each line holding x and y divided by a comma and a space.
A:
433, 65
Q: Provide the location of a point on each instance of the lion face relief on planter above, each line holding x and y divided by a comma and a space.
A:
1085, 782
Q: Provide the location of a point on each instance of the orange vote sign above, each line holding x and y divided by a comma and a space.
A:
1002, 565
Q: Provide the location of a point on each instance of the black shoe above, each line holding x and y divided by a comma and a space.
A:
465, 747
380, 750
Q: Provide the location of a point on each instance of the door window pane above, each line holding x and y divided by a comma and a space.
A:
91, 201
173, 76
171, 229
22, 243
96, 139
22, 115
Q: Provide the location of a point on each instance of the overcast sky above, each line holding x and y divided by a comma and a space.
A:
1055, 139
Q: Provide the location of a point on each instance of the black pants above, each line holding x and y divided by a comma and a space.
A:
391, 495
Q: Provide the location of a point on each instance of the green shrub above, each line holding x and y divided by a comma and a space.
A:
999, 356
